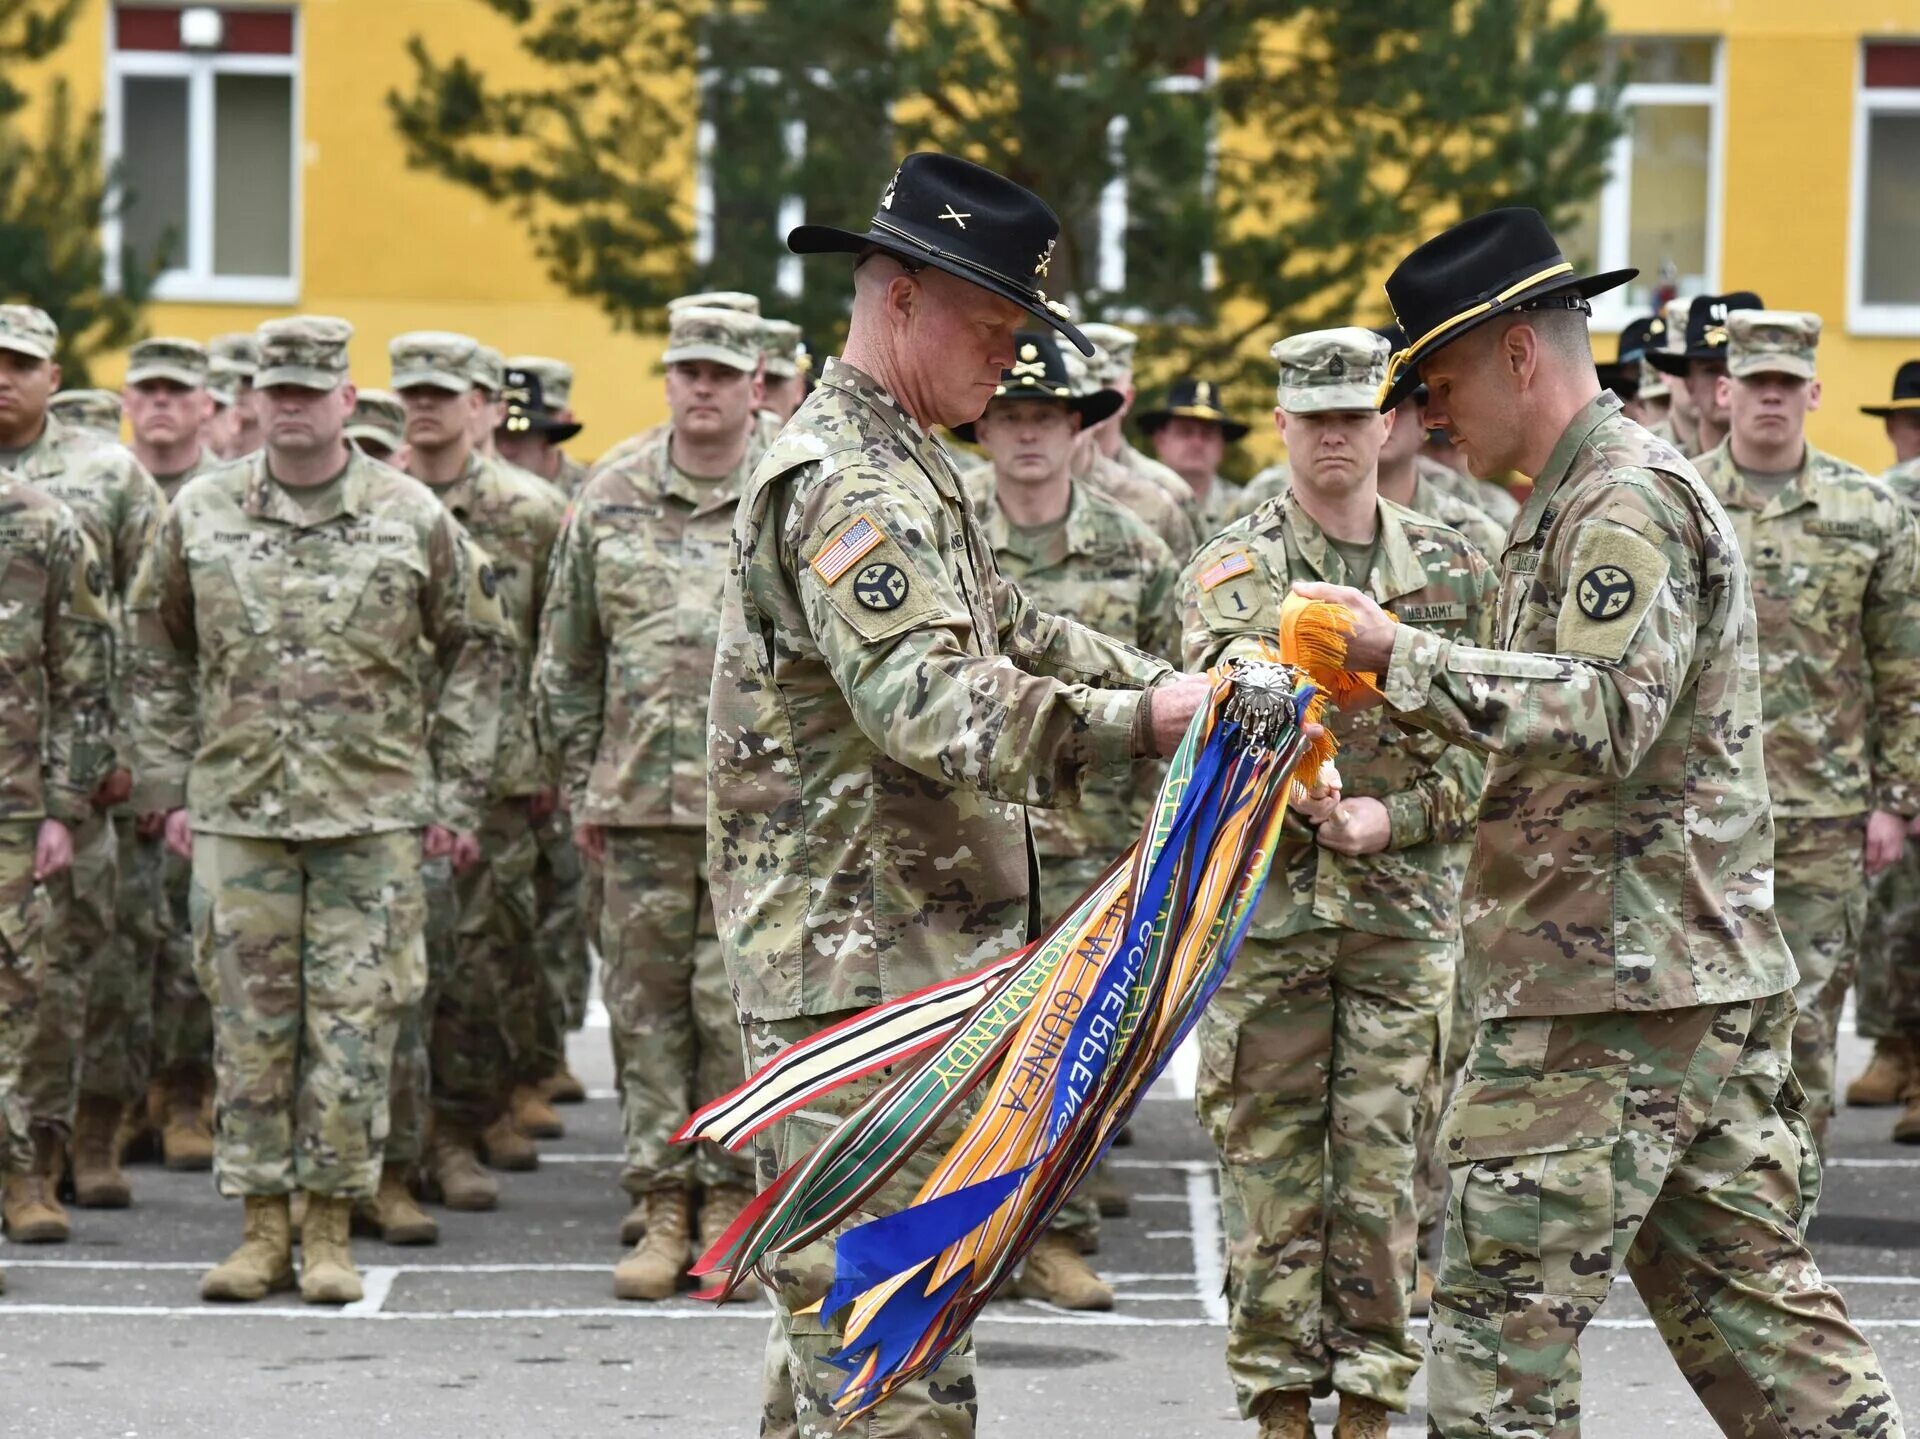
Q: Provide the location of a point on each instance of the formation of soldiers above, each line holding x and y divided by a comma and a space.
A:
343, 719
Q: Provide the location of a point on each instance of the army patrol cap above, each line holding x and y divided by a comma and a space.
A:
555, 376
305, 350
780, 343
378, 416
91, 409
1113, 351
27, 330
738, 300
1906, 392
1327, 370
439, 358
487, 369
726, 337
1772, 342
182, 361
237, 353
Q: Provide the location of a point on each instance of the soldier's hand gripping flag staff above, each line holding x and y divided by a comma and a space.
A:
1062, 1039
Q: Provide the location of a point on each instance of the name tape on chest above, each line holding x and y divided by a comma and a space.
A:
847, 549
1844, 529
1431, 614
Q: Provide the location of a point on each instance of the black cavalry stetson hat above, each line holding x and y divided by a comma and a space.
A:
1906, 392
962, 218
1706, 335
527, 408
1039, 373
1193, 399
1493, 264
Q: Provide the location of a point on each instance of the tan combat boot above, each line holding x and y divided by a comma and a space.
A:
263, 1264
1287, 1416
563, 1088
504, 1146
454, 1172
327, 1275
1360, 1418
186, 1138
533, 1116
98, 1182
654, 1268
1056, 1273
1906, 1129
1887, 1078
719, 1207
29, 1203
1108, 1194
634, 1227
392, 1213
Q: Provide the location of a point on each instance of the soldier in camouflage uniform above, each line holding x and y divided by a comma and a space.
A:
146, 1018
1078, 554
486, 1058
1889, 999
1112, 368
787, 368
885, 702
1698, 359
283, 719
378, 426
97, 410
1835, 560
233, 360
116, 503
57, 748
626, 667
1190, 433
1629, 1101
1316, 1052
539, 395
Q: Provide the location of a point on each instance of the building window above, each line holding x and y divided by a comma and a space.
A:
201, 107
1660, 208
1156, 209
1884, 288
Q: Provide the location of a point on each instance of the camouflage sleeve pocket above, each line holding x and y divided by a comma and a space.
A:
1612, 582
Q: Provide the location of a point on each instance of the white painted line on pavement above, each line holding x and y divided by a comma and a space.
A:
376, 1283
1183, 1166
1864, 1163
1209, 1275
1169, 1234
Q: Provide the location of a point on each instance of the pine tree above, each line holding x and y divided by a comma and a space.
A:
55, 194
1273, 156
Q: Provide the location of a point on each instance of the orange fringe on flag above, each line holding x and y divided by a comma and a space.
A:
1313, 637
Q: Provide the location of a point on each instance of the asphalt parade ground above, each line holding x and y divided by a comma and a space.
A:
509, 1326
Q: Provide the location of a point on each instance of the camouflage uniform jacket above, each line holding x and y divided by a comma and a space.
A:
1435, 581
1624, 856
1147, 467
279, 687
56, 660
1904, 480
1490, 497
1106, 570
570, 476
1835, 566
884, 704
116, 502
626, 653
1160, 512
1489, 536
513, 517
206, 460
1682, 434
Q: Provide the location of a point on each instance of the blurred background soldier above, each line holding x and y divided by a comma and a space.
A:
1146, 499
378, 426
1190, 433
1646, 396
1112, 367
626, 669
1699, 362
556, 403
533, 427
96, 410
284, 724
788, 369
233, 361
487, 369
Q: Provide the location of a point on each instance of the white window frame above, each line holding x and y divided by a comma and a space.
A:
1611, 312
790, 273
193, 278
1110, 261
1863, 316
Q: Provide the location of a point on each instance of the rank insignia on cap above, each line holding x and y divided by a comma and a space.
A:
845, 552
1337, 366
1203, 392
1223, 570
1044, 265
959, 217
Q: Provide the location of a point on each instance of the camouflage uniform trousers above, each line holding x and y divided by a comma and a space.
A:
410, 1087
311, 951
676, 1039
1063, 879
1820, 895
1313, 1058
83, 932
117, 1042
1430, 1179
27, 918
944, 1405
486, 1013
1668, 1143
1889, 979
182, 1017
562, 894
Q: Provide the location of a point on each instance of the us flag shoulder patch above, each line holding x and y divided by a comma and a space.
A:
1221, 571
846, 551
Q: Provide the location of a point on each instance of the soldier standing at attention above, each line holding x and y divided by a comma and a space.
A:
58, 704
116, 503
487, 369
1629, 1101
1835, 561
788, 366
96, 410
1699, 362
485, 1030
885, 702
378, 426
556, 392
233, 361
283, 721
536, 423
1315, 1054
1083, 556
626, 669
1190, 433
1112, 369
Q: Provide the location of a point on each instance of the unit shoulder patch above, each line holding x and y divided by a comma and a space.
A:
1614, 576
1234, 593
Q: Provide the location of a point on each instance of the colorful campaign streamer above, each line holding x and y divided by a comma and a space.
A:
1055, 1044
